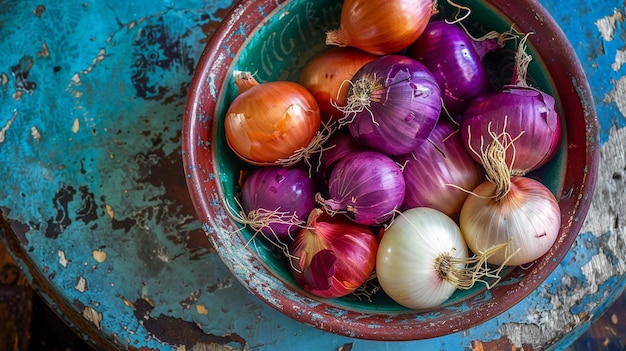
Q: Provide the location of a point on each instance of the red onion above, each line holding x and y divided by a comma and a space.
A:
526, 116
367, 186
440, 172
338, 145
332, 256
393, 104
449, 53
277, 200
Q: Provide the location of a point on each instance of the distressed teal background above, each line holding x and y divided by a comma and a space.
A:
91, 100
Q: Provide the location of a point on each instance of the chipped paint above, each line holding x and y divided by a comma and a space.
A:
93, 316
596, 272
620, 60
618, 95
62, 260
605, 210
134, 206
81, 285
6, 127
96, 60
34, 132
99, 255
607, 24
75, 125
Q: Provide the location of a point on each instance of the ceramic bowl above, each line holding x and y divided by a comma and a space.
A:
274, 39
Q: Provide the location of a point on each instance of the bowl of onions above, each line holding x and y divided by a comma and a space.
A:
390, 170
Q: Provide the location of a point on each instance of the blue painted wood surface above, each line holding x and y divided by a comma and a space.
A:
96, 212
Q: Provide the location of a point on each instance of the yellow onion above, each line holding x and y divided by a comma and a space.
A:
270, 122
326, 74
381, 27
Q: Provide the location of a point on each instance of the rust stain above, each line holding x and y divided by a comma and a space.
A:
39, 10
127, 302
148, 299
210, 26
44, 50
346, 347
109, 210
477, 346
201, 309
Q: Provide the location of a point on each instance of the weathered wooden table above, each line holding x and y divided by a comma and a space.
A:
95, 210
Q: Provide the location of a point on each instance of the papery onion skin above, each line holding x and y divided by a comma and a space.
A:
403, 103
515, 110
381, 27
528, 216
337, 146
270, 121
325, 76
440, 173
367, 186
285, 190
332, 257
405, 262
448, 52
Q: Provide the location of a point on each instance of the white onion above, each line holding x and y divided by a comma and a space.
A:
406, 264
528, 217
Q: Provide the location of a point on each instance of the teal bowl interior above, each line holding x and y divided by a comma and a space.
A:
274, 40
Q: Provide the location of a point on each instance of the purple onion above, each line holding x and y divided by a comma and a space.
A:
440, 172
367, 186
393, 104
450, 55
521, 119
287, 193
339, 145
519, 111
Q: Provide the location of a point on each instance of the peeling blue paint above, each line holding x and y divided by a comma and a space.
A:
107, 104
